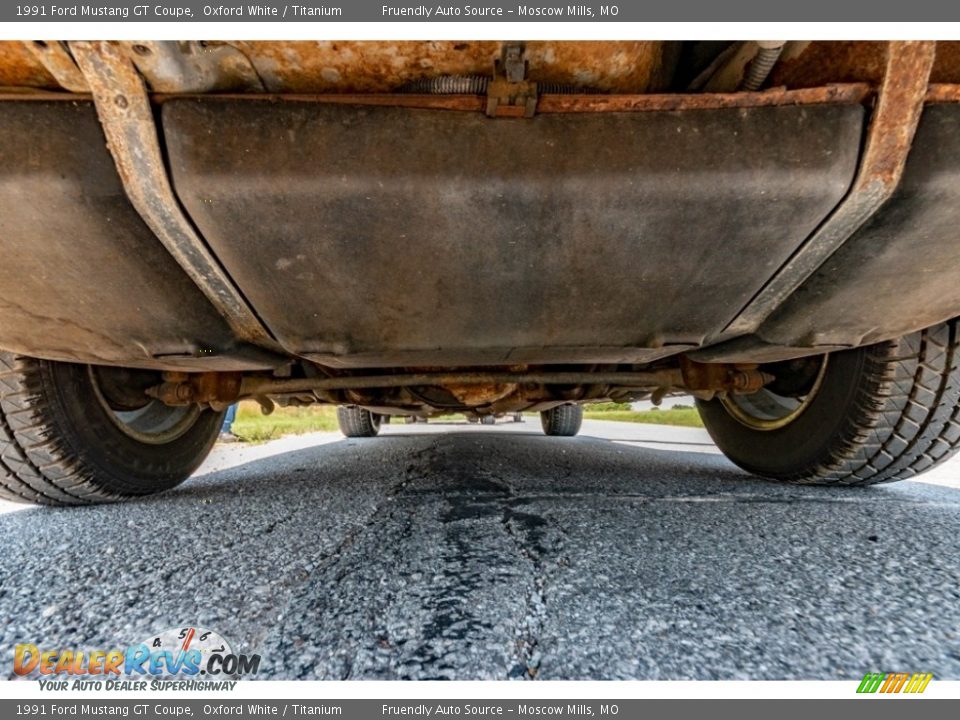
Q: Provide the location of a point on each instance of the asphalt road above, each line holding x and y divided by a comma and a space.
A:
490, 553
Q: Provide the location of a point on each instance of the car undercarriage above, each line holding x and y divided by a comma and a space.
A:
420, 228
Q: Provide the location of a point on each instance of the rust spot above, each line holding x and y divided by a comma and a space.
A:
897, 113
821, 62
621, 67
943, 93
833, 94
720, 377
180, 388
382, 67
946, 66
43, 95
470, 103
19, 68
58, 62
476, 395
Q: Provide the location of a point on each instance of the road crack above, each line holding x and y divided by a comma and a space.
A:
526, 532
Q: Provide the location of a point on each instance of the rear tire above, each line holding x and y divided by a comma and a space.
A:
357, 422
488, 420
63, 443
881, 413
562, 421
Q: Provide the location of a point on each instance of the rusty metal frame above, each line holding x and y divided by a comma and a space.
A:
849, 93
128, 123
56, 58
840, 94
184, 388
34, 95
892, 126
462, 103
689, 374
191, 66
254, 385
943, 93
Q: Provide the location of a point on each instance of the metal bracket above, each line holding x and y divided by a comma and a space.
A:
892, 127
128, 124
58, 61
193, 67
510, 94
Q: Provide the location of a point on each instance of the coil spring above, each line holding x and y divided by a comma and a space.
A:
477, 85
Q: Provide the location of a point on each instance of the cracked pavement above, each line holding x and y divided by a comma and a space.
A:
465, 552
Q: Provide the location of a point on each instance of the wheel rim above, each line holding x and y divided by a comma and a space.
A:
152, 424
765, 410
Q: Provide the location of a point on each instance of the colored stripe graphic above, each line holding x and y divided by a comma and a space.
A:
894, 682
918, 682
870, 683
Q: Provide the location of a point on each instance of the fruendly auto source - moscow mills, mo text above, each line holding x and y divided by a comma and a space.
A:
533, 11
283, 11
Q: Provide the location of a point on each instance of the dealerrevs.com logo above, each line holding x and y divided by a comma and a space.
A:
176, 659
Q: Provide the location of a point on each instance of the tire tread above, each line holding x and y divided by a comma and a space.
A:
34, 468
43, 462
356, 422
562, 421
906, 415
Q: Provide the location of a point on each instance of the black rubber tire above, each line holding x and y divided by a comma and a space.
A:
59, 445
488, 420
562, 421
356, 422
883, 413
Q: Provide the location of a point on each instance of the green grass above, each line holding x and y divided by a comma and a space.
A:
607, 407
253, 426
677, 415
